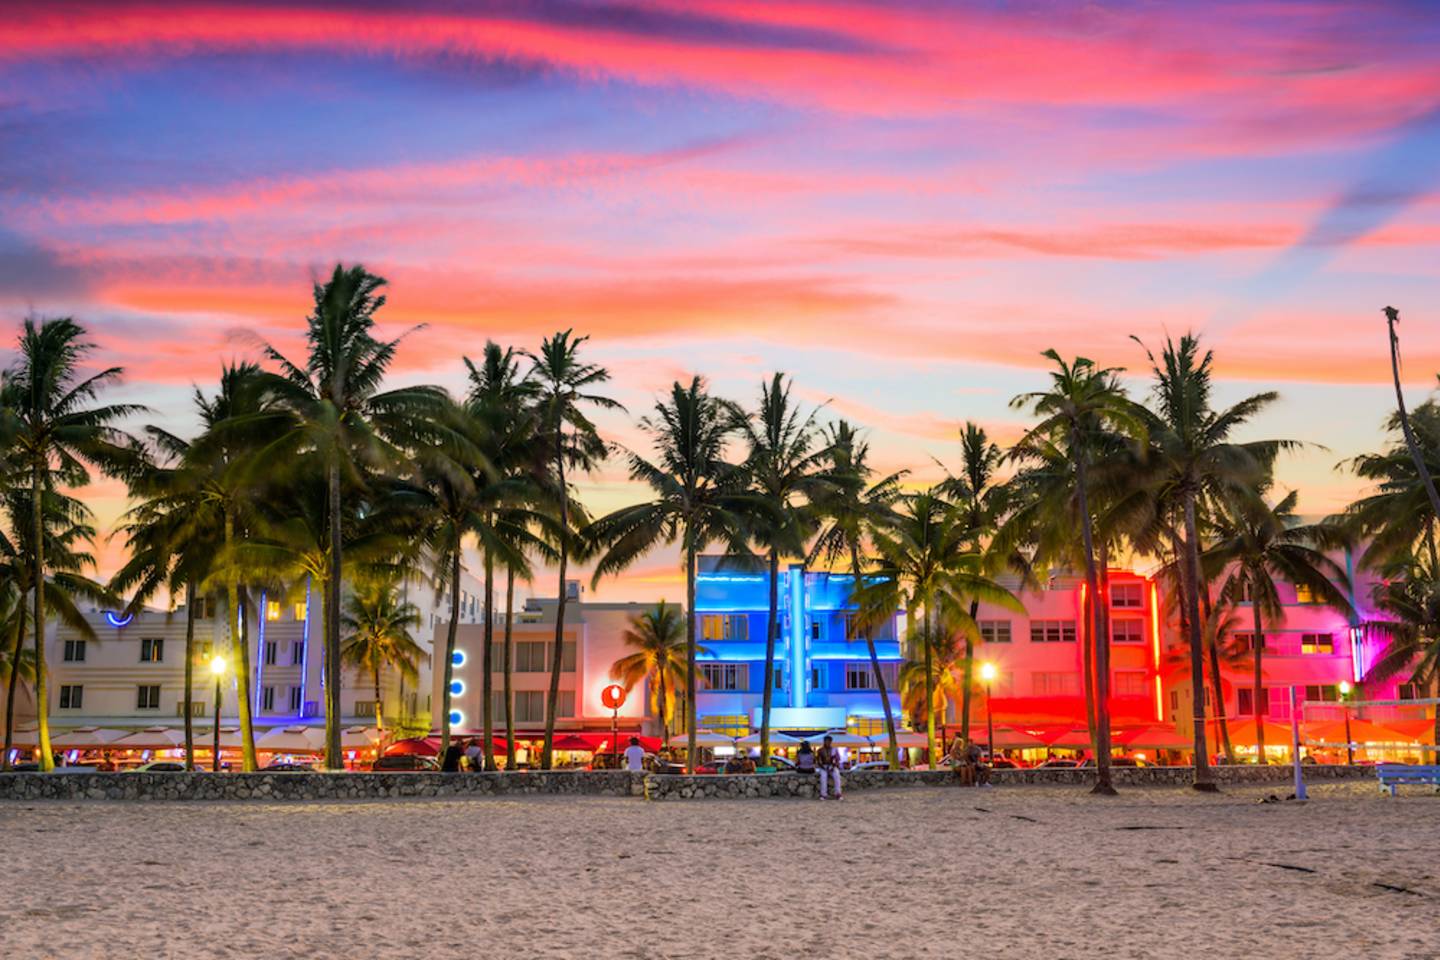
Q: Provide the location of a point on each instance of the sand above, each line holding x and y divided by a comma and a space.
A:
1008, 872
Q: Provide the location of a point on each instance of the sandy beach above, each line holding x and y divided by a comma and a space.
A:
1024, 873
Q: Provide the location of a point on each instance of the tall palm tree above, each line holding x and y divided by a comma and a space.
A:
1409, 619
853, 506
929, 686
657, 638
565, 389
698, 499
928, 568
58, 434
1193, 448
784, 471
348, 424
1254, 545
1395, 519
378, 625
1392, 317
1083, 403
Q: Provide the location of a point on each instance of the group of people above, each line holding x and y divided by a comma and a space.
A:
968, 762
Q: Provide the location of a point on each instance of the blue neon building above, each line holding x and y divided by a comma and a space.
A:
823, 674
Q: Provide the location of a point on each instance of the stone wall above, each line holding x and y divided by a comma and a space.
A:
614, 783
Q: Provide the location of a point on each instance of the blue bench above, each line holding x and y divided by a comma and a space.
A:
1393, 774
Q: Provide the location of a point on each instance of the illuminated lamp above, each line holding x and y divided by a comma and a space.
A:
116, 620
458, 658
456, 718
457, 687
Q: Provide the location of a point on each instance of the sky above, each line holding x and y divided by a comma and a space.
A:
898, 204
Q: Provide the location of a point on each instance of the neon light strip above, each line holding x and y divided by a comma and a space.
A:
799, 668
305, 652
1155, 648
117, 621
260, 666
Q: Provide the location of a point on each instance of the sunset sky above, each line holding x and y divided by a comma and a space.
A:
899, 204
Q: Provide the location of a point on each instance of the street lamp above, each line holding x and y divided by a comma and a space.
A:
217, 670
988, 673
1345, 689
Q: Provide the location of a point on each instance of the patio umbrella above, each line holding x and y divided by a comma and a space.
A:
1243, 732
841, 738
1420, 731
152, 738
1157, 738
359, 738
1361, 732
25, 738
414, 747
1007, 737
903, 739
777, 739
574, 744
291, 740
703, 738
86, 738
1073, 738
229, 738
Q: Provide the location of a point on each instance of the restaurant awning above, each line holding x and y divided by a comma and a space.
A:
1418, 731
229, 738
152, 738
25, 737
86, 738
571, 743
414, 747
1243, 732
359, 738
295, 739
1158, 737
1360, 731
1012, 738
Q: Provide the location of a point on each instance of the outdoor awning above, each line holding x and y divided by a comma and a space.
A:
152, 738
292, 740
1075, 738
414, 747
25, 738
840, 738
359, 738
570, 742
777, 739
1418, 731
1158, 737
703, 738
1360, 731
1011, 738
229, 738
1243, 732
86, 738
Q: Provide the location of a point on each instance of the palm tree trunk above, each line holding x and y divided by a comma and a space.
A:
1258, 646
379, 704
1103, 649
893, 755
450, 633
240, 654
663, 696
37, 577
1217, 685
16, 648
1392, 317
189, 674
487, 666
772, 624
1203, 780
551, 702
969, 669
689, 650
928, 640
1095, 628
507, 667
334, 759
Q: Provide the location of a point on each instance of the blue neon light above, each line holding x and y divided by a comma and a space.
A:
458, 658
457, 687
260, 668
456, 718
799, 674
117, 621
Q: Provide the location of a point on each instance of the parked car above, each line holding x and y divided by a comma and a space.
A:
1057, 762
1003, 763
289, 766
781, 764
405, 763
870, 765
159, 766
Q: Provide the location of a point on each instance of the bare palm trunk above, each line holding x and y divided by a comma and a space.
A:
17, 647
508, 657
547, 753
689, 651
450, 633
379, 704
1095, 628
1203, 779
663, 696
929, 641
189, 674
334, 759
969, 680
1217, 684
487, 667
240, 654
772, 624
37, 577
1258, 646
893, 755
1392, 317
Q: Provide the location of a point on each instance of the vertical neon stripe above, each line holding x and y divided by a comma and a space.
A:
799, 648
1155, 649
305, 652
260, 666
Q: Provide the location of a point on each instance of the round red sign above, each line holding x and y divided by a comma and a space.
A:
613, 696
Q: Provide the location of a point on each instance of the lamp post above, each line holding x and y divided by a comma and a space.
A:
217, 670
1345, 689
987, 673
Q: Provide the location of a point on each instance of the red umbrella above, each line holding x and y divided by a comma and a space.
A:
414, 747
573, 743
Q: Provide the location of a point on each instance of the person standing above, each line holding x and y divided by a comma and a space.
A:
635, 756
827, 762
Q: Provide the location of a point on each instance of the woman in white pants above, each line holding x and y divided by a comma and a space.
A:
827, 762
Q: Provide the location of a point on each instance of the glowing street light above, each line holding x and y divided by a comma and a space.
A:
1345, 689
218, 667
988, 674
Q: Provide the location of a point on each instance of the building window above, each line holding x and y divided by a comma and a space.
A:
529, 706
851, 624
566, 704
297, 652
1246, 698
152, 650
1304, 593
267, 698
720, 626
1408, 691
363, 708
817, 678
725, 676
272, 609
731, 725
1323, 643
1174, 699
204, 608
296, 693
1323, 693
1246, 642
72, 696
1129, 683
1055, 684
197, 708
567, 658
1127, 631
995, 631
859, 676
1052, 631
817, 628
75, 651
272, 651
1128, 596
300, 610
147, 696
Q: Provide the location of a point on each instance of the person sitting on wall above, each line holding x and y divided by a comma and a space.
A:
961, 763
740, 763
827, 760
805, 758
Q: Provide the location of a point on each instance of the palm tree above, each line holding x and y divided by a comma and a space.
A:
348, 425
1395, 519
783, 470
58, 431
1083, 403
658, 639
573, 443
378, 624
1392, 317
929, 686
698, 500
1190, 443
1255, 544
928, 568
1409, 609
853, 507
